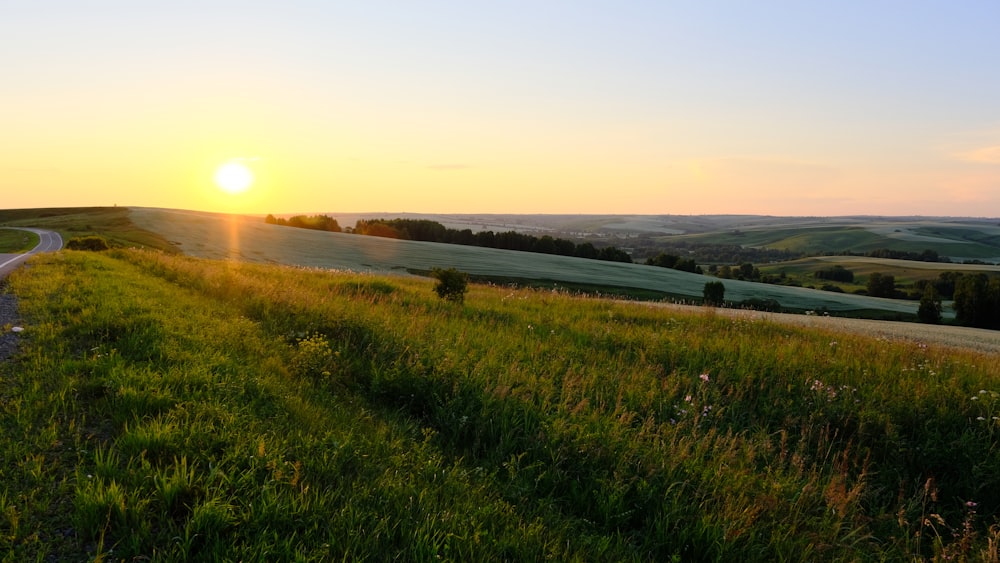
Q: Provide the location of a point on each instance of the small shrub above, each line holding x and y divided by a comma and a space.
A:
759, 304
313, 357
451, 284
92, 243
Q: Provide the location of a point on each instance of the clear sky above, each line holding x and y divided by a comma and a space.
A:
674, 107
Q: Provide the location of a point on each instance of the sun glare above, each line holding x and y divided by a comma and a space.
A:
233, 177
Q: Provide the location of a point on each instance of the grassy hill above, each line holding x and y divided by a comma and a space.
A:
217, 236
171, 408
112, 223
972, 240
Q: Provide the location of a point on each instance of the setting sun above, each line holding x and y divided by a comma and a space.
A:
233, 177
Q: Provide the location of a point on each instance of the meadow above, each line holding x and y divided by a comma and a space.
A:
961, 240
16, 242
249, 239
905, 272
165, 407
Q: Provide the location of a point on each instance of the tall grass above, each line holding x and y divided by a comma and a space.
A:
174, 408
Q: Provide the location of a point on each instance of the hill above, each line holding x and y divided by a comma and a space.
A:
174, 408
250, 239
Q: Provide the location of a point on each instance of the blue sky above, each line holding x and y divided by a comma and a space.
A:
782, 108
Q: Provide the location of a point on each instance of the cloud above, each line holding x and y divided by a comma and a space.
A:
986, 155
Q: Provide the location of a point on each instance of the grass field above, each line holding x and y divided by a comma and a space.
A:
981, 242
171, 408
905, 272
111, 223
15, 242
250, 239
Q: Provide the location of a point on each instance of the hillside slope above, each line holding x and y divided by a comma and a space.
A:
219, 236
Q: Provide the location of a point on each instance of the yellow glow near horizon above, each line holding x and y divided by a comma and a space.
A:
234, 177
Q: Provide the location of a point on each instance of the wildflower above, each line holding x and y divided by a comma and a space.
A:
687, 399
982, 391
971, 504
704, 377
980, 418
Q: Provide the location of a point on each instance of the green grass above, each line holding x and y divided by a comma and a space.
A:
905, 272
171, 408
15, 242
979, 242
114, 224
249, 239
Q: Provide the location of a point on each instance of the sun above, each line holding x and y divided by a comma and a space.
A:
234, 177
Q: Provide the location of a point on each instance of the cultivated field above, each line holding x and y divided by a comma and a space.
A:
250, 239
968, 240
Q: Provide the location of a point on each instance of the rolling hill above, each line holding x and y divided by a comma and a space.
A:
217, 236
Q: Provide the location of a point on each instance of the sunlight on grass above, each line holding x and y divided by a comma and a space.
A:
294, 413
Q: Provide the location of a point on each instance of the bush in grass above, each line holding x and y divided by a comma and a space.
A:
313, 357
759, 304
714, 293
451, 284
92, 243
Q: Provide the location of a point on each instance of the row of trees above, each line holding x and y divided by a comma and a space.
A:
927, 255
664, 260
432, 231
835, 273
315, 222
977, 300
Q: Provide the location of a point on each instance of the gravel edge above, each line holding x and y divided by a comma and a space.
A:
8, 317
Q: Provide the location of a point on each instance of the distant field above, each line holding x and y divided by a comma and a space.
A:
219, 237
960, 242
906, 272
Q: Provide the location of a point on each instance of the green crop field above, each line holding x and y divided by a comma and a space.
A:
216, 236
905, 272
168, 408
961, 242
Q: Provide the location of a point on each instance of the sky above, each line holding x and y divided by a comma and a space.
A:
874, 107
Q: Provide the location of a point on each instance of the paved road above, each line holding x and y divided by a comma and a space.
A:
49, 242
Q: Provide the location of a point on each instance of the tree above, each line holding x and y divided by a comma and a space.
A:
714, 293
881, 285
970, 299
977, 301
930, 306
451, 284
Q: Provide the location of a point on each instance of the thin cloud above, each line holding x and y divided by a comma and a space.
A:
986, 155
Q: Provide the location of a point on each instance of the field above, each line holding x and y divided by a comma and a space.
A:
968, 241
172, 408
15, 242
111, 223
905, 272
250, 239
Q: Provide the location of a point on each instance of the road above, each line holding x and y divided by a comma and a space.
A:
50, 241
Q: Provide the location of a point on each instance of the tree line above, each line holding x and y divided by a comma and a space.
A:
315, 222
431, 231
